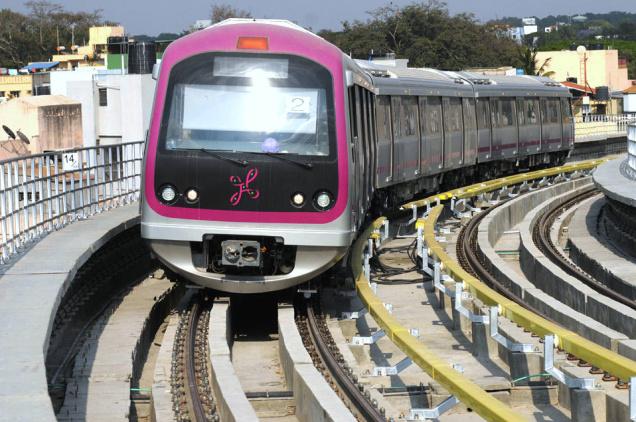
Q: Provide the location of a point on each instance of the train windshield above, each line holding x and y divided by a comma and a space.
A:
251, 104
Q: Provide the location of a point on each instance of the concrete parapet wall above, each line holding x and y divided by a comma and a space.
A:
315, 400
596, 258
32, 287
542, 296
550, 278
231, 402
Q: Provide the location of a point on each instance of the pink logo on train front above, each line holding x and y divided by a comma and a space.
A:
244, 187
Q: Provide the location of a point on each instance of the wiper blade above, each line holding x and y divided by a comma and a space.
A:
215, 154
284, 156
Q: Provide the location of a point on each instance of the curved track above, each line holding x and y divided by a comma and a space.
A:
328, 360
541, 237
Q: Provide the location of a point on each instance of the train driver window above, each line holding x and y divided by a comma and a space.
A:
251, 104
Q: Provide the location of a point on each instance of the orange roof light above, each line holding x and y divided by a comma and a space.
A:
252, 43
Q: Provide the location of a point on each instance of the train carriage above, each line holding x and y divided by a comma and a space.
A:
268, 147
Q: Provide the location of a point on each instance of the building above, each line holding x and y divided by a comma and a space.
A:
115, 108
15, 86
520, 32
49, 122
602, 67
92, 54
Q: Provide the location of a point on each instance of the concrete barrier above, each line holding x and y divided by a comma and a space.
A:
315, 400
231, 402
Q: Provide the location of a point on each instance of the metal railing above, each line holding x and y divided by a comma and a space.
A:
599, 126
631, 150
45, 192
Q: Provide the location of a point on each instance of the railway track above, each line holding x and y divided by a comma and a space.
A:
541, 237
192, 391
327, 358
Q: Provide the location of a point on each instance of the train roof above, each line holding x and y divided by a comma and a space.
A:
390, 80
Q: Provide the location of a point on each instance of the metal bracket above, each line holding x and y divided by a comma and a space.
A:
414, 216
362, 340
548, 366
438, 277
459, 289
505, 342
354, 314
433, 413
632, 399
383, 371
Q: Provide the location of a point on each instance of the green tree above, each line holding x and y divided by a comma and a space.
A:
527, 60
221, 12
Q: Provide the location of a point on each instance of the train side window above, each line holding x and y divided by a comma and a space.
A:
506, 112
383, 116
553, 110
408, 118
453, 115
566, 110
521, 117
396, 108
353, 116
483, 111
531, 107
431, 115
470, 122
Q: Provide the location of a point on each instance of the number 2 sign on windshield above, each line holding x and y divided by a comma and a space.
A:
298, 105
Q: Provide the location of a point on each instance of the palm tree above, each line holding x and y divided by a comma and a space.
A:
528, 59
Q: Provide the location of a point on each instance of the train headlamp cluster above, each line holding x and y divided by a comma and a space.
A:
298, 199
168, 194
192, 195
323, 200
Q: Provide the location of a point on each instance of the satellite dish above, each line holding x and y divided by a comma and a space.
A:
23, 137
9, 132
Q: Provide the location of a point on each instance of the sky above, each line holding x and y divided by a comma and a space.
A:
152, 17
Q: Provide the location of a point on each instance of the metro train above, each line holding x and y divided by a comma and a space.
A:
268, 147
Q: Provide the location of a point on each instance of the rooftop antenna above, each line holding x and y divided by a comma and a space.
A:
9, 132
23, 137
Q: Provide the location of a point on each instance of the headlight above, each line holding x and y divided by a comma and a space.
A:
298, 199
323, 200
192, 195
168, 194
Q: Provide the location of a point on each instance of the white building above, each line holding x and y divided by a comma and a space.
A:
519, 32
115, 108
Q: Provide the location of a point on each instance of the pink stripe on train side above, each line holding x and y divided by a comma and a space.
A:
282, 41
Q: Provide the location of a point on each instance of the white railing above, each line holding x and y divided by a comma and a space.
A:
44, 192
631, 150
599, 126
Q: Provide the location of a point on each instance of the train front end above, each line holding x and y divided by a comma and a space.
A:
246, 186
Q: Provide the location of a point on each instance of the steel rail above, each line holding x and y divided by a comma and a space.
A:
366, 410
541, 237
193, 392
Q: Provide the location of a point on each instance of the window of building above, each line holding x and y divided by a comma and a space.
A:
15, 94
103, 97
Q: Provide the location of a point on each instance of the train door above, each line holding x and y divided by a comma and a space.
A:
529, 129
551, 131
470, 131
384, 153
405, 138
431, 157
484, 130
372, 143
568, 123
505, 136
453, 132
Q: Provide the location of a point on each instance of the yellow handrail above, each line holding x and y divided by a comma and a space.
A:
490, 185
464, 389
